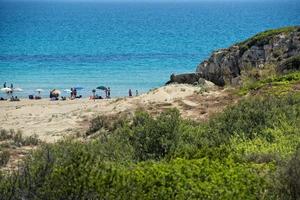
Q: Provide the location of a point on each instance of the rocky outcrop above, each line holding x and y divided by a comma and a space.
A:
271, 47
191, 78
292, 63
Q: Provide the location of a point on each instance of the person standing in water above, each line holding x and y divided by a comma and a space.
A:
4, 85
129, 93
108, 92
136, 93
11, 87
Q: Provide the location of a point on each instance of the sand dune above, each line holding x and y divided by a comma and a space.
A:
54, 120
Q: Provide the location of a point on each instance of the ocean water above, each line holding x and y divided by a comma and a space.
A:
122, 45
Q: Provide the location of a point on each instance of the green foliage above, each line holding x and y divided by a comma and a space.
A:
105, 123
4, 157
17, 138
154, 138
5, 135
281, 84
289, 178
236, 155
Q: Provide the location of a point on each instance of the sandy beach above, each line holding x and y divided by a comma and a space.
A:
53, 120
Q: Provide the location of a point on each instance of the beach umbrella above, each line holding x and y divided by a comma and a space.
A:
6, 89
101, 88
18, 90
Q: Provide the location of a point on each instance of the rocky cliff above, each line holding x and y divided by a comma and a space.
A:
280, 47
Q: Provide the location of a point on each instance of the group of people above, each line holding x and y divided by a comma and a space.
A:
107, 94
130, 93
73, 93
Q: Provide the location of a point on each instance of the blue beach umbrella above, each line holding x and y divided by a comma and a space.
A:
101, 88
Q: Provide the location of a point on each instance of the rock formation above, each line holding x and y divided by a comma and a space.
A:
275, 47
279, 47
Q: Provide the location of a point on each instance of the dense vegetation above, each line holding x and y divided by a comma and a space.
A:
275, 85
251, 151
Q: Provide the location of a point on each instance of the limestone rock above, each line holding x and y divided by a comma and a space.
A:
270, 47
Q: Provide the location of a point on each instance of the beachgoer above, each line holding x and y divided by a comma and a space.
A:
72, 92
108, 92
4, 85
75, 92
12, 88
129, 93
94, 93
136, 93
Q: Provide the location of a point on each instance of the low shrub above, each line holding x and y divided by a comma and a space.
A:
4, 157
106, 123
233, 156
17, 138
289, 178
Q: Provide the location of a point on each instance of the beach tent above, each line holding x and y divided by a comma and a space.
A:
6, 90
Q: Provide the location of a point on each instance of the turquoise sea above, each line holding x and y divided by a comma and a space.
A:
122, 45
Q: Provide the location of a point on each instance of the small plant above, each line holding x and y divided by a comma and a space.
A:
31, 140
18, 138
4, 135
4, 157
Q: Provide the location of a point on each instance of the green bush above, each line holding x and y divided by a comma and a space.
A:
233, 156
17, 138
106, 123
153, 138
4, 157
4, 135
289, 187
